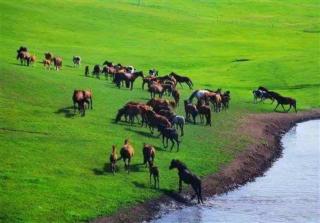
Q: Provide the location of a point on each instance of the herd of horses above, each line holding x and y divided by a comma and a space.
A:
157, 113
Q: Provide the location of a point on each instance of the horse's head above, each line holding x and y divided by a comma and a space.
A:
119, 115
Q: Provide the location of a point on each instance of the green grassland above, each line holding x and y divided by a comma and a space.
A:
51, 167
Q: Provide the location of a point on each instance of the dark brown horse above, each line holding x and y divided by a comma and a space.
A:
285, 101
204, 111
24, 57
169, 133
176, 96
182, 79
154, 120
127, 77
149, 154
154, 171
130, 110
188, 177
190, 109
126, 154
57, 61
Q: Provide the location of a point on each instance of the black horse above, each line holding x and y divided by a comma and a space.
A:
96, 70
128, 78
182, 79
188, 177
285, 101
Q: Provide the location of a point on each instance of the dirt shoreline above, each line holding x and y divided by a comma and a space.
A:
264, 131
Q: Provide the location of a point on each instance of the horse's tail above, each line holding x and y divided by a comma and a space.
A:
193, 95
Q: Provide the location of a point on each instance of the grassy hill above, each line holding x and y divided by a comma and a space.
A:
52, 162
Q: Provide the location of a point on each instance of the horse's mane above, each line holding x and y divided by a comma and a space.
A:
181, 164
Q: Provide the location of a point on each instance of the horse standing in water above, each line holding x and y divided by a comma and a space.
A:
188, 177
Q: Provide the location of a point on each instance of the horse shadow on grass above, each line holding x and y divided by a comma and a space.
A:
106, 169
142, 133
67, 111
170, 193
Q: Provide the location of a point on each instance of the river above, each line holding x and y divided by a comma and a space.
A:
288, 191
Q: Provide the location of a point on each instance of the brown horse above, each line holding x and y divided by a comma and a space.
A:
176, 96
154, 120
127, 77
204, 111
182, 79
130, 110
190, 109
149, 154
79, 98
32, 59
156, 88
127, 153
169, 133
113, 159
57, 61
46, 64
155, 102
148, 80
225, 99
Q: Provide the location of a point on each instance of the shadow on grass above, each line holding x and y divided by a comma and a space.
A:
67, 111
170, 193
106, 169
146, 134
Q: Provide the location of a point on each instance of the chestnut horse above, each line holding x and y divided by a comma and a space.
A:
204, 110
149, 154
126, 154
154, 120
190, 109
113, 159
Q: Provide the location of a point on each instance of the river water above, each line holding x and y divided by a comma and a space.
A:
288, 192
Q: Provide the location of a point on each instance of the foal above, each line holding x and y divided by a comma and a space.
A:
154, 171
188, 177
113, 159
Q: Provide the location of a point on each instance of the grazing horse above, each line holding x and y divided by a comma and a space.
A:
285, 101
154, 120
79, 98
188, 177
225, 100
176, 96
204, 110
76, 60
126, 154
57, 61
129, 78
182, 79
149, 154
156, 88
190, 109
86, 71
130, 110
178, 121
113, 159
96, 70
154, 171
169, 133
199, 94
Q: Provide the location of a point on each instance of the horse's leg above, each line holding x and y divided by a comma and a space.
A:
155, 181
91, 102
283, 107
177, 144
180, 84
289, 108
163, 141
131, 82
158, 181
129, 159
181, 128
150, 178
172, 144
276, 107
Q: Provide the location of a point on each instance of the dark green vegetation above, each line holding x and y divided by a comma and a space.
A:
52, 163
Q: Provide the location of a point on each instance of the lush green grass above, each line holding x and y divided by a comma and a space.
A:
51, 166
